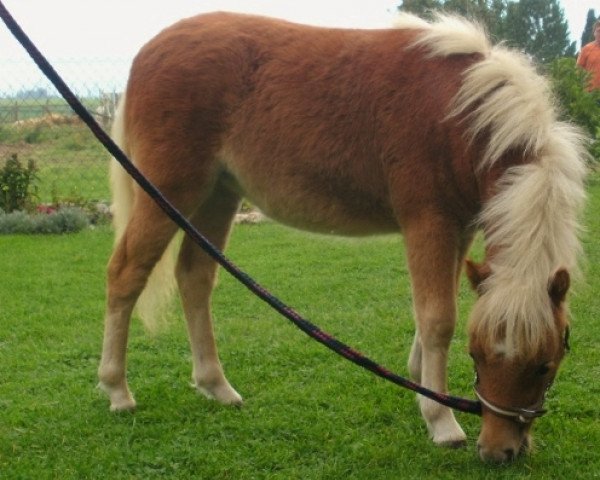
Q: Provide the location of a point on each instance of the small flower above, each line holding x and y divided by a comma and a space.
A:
46, 208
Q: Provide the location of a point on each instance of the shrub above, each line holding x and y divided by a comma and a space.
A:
579, 105
16, 222
98, 213
18, 188
65, 220
33, 135
8, 134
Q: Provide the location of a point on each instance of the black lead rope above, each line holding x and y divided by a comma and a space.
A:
457, 403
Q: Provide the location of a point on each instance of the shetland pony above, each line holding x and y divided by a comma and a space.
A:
425, 129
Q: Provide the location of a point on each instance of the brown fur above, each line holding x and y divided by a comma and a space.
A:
288, 102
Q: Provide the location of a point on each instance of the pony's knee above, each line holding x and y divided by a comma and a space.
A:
194, 265
436, 319
191, 267
126, 278
120, 274
109, 376
436, 333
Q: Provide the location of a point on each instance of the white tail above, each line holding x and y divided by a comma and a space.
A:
153, 304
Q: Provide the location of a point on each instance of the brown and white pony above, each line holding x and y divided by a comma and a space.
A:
425, 128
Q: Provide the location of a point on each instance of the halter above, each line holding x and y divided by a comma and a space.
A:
521, 415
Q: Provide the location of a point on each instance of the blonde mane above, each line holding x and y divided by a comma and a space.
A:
532, 220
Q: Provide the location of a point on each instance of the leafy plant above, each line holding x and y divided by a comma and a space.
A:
98, 213
18, 188
33, 135
65, 220
579, 105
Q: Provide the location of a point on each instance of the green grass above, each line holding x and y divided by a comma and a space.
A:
308, 414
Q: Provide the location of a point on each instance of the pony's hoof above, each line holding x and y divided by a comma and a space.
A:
127, 405
454, 444
225, 394
450, 438
120, 400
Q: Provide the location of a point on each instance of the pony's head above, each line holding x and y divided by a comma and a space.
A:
512, 378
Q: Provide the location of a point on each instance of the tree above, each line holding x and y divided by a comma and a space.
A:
536, 26
539, 28
588, 32
37, 93
579, 105
422, 8
487, 12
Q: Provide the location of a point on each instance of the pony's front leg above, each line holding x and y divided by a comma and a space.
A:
433, 255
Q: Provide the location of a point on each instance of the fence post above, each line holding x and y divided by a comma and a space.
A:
15, 112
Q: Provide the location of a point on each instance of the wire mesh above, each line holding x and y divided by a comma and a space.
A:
37, 125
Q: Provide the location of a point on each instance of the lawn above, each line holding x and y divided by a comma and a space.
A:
308, 414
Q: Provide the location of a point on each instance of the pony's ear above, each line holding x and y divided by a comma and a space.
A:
559, 286
477, 273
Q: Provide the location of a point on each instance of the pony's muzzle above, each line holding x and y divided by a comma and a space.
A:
502, 440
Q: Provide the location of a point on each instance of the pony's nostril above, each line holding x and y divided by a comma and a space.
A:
510, 454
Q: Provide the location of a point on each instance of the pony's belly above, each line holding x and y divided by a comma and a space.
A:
330, 221
342, 213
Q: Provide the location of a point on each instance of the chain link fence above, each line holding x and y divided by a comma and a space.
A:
37, 125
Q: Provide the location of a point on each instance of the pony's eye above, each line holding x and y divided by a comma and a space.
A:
542, 370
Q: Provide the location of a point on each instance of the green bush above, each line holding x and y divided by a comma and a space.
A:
98, 213
18, 189
579, 105
33, 135
9, 134
65, 220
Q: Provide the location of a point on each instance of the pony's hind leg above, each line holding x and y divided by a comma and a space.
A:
433, 248
196, 274
146, 236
